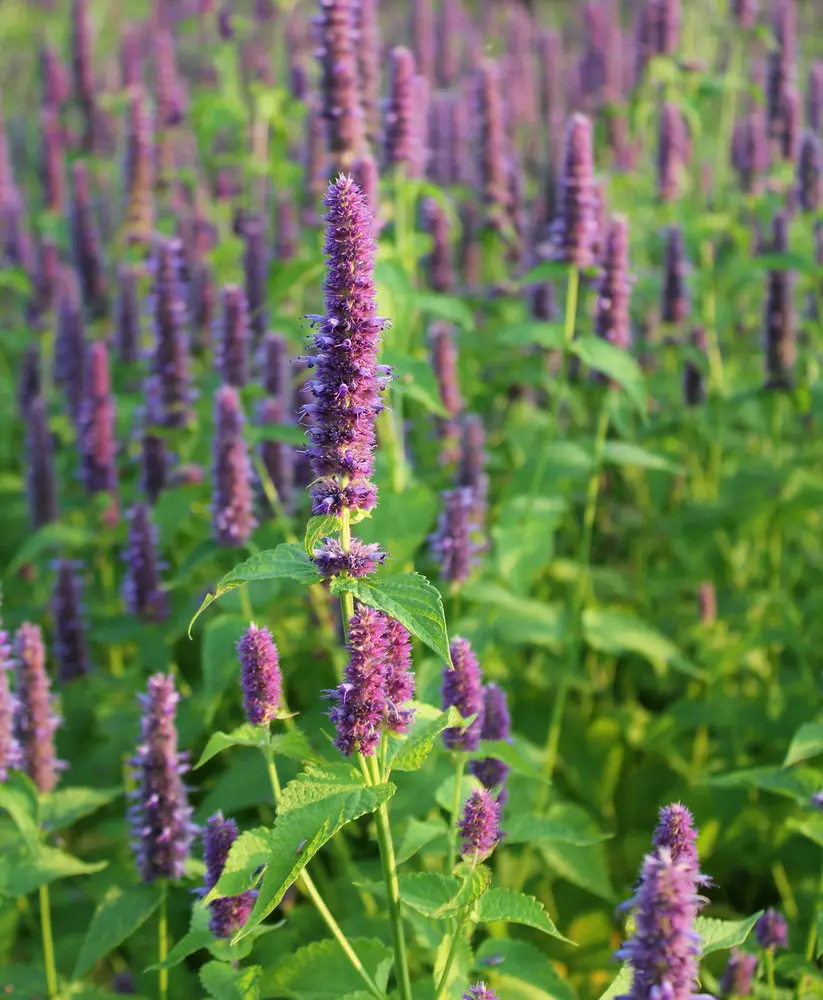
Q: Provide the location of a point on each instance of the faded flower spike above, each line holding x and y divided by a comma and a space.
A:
227, 915
664, 949
738, 975
772, 930
144, 593
10, 754
260, 676
348, 381
70, 652
232, 517
160, 812
35, 718
479, 825
490, 771
360, 701
575, 227
463, 688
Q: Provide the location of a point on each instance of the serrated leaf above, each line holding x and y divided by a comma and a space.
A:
522, 828
320, 971
807, 743
287, 562
224, 982
64, 806
430, 893
623, 453
117, 917
717, 935
18, 797
246, 735
410, 753
418, 834
23, 872
408, 598
311, 810
318, 528
614, 363
472, 888
516, 908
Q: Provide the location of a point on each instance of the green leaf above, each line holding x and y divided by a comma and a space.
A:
799, 784
23, 872
292, 434
547, 335
582, 866
444, 795
246, 735
224, 982
439, 896
623, 453
18, 796
402, 522
219, 658
458, 974
247, 854
810, 827
311, 810
196, 939
418, 834
508, 752
807, 743
414, 378
521, 621
522, 828
287, 562
615, 363
319, 528
621, 984
547, 271
618, 632
446, 307
717, 935
64, 806
408, 598
516, 908
410, 753
117, 917
515, 959
321, 971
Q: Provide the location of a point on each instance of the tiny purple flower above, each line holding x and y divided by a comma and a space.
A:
10, 753
479, 991
260, 676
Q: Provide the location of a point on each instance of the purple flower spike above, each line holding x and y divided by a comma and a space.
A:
170, 354
772, 930
675, 293
138, 170
664, 949
339, 81
422, 31
70, 343
575, 227
444, 363
421, 98
40, 478
348, 381
810, 172
738, 975
51, 160
399, 129
360, 702
779, 315
781, 72
11, 756
275, 375
750, 152
479, 825
369, 48
260, 676
70, 652
440, 263
233, 337
81, 42
612, 320
490, 771
85, 243
675, 831
400, 681
745, 13
227, 915
127, 316
154, 462
672, 152
97, 442
493, 141
160, 812
35, 718
366, 176
232, 517
472, 473
814, 107
463, 688
255, 264
452, 544
143, 591
287, 228
362, 559
30, 381
479, 992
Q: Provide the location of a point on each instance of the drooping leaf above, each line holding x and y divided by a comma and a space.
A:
321, 971
515, 908
117, 917
615, 632
615, 363
416, 380
64, 806
410, 599
717, 935
582, 866
53, 537
246, 735
23, 872
446, 307
800, 783
287, 562
626, 454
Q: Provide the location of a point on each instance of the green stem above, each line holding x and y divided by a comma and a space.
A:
163, 941
48, 941
384, 837
459, 769
306, 885
770, 973
572, 290
458, 933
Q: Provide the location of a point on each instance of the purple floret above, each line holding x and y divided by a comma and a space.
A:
227, 915
479, 992
490, 771
260, 676
479, 825
362, 559
772, 930
400, 682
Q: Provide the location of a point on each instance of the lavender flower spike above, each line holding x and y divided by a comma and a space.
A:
810, 172
97, 424
490, 771
675, 831
675, 306
170, 355
400, 682
40, 477
348, 381
160, 812
232, 517
463, 688
479, 825
339, 81
479, 992
85, 242
772, 930
35, 718
127, 316
399, 130
737, 977
260, 676
360, 702
575, 227
227, 915
452, 543
664, 949
233, 337
612, 321
144, 594
10, 753
70, 650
